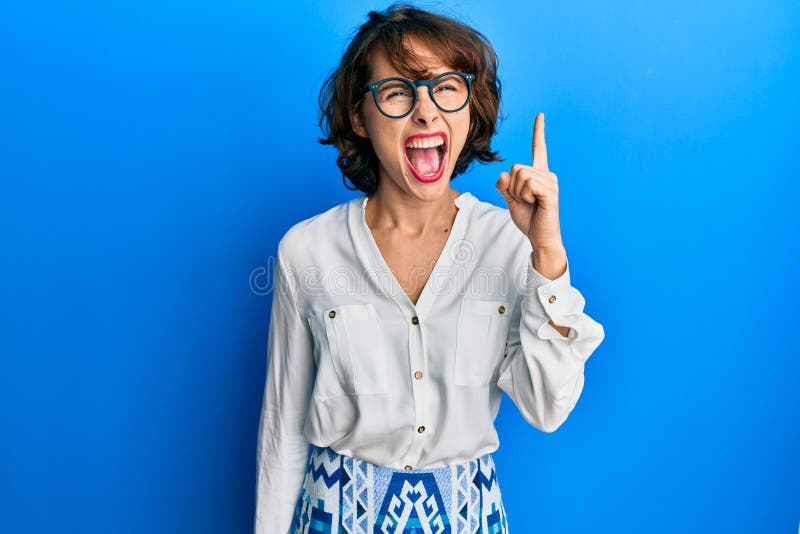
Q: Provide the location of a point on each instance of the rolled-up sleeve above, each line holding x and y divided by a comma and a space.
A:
543, 371
282, 449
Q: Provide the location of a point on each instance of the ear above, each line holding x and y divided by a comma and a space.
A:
357, 122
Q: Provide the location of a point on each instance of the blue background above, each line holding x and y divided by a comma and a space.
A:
150, 162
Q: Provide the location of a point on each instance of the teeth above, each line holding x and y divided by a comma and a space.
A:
426, 142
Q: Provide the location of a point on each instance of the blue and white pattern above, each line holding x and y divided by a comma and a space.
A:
341, 494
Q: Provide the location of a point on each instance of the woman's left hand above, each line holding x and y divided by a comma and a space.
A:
531, 192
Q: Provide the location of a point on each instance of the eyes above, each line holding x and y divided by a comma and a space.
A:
395, 97
406, 92
401, 90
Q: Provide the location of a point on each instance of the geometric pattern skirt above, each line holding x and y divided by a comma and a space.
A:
341, 494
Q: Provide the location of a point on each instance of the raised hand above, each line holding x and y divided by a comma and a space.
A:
531, 192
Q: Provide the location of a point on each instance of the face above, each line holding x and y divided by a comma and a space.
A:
420, 173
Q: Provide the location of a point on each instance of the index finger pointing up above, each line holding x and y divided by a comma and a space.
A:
539, 148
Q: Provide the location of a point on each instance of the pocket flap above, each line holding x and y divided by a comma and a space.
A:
485, 307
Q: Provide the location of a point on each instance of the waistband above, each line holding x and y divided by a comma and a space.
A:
316, 452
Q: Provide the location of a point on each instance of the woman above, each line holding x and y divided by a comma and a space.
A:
400, 317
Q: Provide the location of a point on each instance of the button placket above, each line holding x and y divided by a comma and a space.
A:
419, 387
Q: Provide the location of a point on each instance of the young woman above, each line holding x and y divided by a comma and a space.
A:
400, 317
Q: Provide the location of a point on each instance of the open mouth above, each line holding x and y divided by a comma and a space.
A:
426, 155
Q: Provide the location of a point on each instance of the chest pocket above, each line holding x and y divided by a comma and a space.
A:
351, 350
482, 330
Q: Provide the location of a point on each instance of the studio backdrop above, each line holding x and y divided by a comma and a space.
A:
152, 154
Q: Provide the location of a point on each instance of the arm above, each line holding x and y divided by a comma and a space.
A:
282, 448
543, 369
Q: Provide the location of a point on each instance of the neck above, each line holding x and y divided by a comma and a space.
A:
390, 209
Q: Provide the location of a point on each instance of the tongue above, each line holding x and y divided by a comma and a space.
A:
425, 160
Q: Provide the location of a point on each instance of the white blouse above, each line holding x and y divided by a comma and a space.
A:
354, 365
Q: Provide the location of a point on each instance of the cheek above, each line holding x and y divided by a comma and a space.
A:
464, 120
384, 137
386, 149
461, 130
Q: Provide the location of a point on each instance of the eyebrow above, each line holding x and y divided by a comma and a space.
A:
428, 74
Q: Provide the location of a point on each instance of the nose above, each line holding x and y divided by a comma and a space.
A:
425, 111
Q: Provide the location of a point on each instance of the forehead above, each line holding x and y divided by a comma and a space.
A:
419, 60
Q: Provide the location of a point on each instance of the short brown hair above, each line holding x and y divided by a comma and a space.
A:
458, 46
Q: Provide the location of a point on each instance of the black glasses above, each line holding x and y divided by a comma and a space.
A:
396, 97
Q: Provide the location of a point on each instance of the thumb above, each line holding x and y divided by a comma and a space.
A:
502, 186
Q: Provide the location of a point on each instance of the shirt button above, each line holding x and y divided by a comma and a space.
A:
409, 467
332, 314
414, 320
418, 375
501, 309
421, 429
552, 299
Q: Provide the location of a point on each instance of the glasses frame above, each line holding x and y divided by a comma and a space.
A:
415, 84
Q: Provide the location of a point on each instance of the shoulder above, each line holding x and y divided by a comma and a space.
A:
493, 224
488, 211
302, 236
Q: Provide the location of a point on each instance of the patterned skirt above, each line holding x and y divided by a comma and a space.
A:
341, 494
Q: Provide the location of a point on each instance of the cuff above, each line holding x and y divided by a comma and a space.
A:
550, 299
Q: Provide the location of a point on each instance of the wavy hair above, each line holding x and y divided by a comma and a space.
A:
458, 46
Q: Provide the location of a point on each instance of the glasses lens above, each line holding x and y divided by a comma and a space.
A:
396, 97
451, 92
